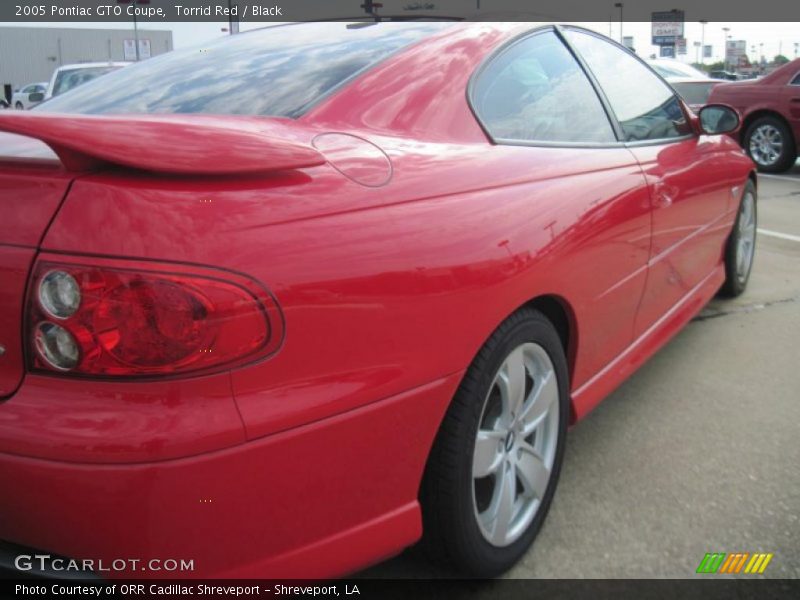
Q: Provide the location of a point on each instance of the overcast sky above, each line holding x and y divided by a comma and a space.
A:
775, 37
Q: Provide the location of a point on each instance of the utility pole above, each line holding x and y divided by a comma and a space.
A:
619, 5
233, 21
135, 23
703, 42
135, 32
725, 48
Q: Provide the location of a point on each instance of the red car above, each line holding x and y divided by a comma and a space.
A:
355, 304
770, 109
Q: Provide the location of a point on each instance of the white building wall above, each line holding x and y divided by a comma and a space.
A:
31, 54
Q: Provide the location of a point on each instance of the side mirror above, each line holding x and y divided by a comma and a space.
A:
36, 97
716, 119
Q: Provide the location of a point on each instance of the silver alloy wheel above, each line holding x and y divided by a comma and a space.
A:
746, 237
766, 145
516, 444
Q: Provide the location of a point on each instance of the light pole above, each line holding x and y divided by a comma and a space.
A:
619, 5
703, 42
796, 44
725, 48
135, 24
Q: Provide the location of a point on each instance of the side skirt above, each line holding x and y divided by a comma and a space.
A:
589, 395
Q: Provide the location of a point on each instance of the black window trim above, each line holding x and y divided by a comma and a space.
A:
612, 118
601, 92
502, 49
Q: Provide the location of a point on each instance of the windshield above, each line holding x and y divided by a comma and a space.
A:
72, 78
276, 71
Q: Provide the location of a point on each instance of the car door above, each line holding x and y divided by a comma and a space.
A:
534, 97
689, 189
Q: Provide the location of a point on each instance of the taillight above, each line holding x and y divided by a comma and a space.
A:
120, 318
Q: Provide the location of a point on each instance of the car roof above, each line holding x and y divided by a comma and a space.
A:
691, 80
89, 65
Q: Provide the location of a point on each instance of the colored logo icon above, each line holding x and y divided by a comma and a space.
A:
741, 562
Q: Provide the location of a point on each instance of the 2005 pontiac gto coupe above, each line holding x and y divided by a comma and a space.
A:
289, 303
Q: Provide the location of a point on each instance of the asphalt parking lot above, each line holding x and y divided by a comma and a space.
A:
700, 450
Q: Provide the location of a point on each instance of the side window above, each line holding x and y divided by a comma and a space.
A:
796, 80
536, 91
28, 89
645, 106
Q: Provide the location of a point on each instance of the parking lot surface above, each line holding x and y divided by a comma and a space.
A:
700, 450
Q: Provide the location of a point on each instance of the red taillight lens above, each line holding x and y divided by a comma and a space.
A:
128, 319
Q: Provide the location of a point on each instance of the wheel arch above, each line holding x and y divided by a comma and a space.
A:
561, 314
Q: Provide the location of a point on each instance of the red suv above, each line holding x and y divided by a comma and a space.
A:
770, 107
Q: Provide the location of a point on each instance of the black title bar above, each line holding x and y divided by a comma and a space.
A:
163, 11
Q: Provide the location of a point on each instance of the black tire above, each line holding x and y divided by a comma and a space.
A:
19, 106
451, 534
788, 154
736, 281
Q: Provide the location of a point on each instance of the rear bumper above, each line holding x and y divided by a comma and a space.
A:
320, 500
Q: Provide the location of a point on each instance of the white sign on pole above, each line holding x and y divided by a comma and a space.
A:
666, 26
144, 49
129, 49
734, 50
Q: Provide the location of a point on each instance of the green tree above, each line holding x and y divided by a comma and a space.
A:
780, 59
717, 66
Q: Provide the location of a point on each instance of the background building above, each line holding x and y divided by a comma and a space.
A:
31, 54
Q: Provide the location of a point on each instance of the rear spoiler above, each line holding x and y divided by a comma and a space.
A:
172, 144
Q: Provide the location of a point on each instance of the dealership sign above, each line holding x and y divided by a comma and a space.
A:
667, 27
735, 49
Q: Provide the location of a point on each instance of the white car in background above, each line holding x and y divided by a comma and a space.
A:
68, 77
692, 84
29, 95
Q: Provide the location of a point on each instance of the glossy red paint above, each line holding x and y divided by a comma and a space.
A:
30, 194
774, 94
167, 144
392, 263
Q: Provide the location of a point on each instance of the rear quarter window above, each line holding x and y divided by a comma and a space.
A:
535, 91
